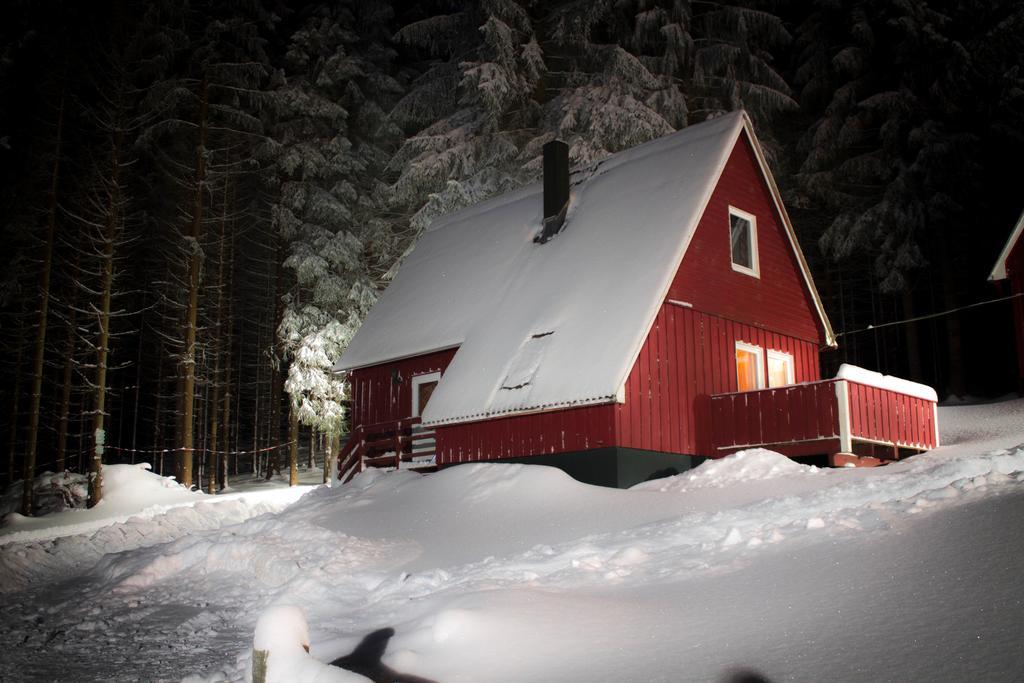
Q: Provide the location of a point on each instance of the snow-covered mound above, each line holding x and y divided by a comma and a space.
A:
139, 509
127, 490
755, 464
283, 635
52, 492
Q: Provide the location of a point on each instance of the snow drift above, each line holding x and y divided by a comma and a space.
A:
509, 572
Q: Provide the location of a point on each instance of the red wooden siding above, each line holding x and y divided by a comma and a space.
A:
562, 431
688, 356
778, 300
377, 398
793, 414
888, 417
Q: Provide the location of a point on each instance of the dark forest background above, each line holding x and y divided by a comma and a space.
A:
200, 200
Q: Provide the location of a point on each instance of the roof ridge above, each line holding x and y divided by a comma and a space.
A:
592, 170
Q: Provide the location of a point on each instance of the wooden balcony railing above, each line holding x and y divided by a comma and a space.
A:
830, 417
394, 444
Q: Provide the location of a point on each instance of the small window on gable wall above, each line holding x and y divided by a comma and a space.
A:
743, 242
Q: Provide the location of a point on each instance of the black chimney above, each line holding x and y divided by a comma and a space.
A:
556, 188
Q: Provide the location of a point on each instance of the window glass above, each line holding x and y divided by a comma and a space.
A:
780, 369
741, 252
749, 373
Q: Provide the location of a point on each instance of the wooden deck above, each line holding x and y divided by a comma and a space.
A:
849, 422
395, 444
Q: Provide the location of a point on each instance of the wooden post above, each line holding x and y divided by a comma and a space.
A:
293, 445
843, 403
398, 444
259, 665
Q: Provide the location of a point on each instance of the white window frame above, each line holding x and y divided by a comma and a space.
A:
418, 381
752, 222
762, 377
790, 367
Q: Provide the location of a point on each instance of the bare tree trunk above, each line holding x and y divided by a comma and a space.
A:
29, 471
218, 328
102, 346
311, 460
158, 416
226, 425
64, 411
330, 453
276, 377
138, 393
293, 445
256, 401
192, 310
12, 447
226, 429
238, 409
179, 427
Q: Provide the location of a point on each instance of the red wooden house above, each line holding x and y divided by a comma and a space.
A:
1010, 267
633, 318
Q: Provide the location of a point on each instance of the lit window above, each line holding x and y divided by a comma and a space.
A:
743, 241
780, 369
749, 367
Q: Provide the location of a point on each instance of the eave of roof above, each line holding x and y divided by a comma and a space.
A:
830, 336
999, 269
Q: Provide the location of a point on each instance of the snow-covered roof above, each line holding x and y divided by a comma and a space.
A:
560, 324
999, 270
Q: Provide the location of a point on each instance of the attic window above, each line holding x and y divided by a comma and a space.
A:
743, 242
526, 361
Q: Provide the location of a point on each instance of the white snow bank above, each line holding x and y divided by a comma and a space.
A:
127, 490
857, 374
131, 491
755, 464
283, 634
283, 630
43, 555
513, 572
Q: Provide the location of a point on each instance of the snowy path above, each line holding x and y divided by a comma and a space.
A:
519, 573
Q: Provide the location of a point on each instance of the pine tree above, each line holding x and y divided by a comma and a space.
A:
902, 99
329, 133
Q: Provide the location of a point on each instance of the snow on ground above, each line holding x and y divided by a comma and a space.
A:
139, 509
512, 572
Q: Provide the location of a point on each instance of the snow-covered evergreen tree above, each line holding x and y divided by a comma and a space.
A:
470, 111
330, 134
898, 93
500, 78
